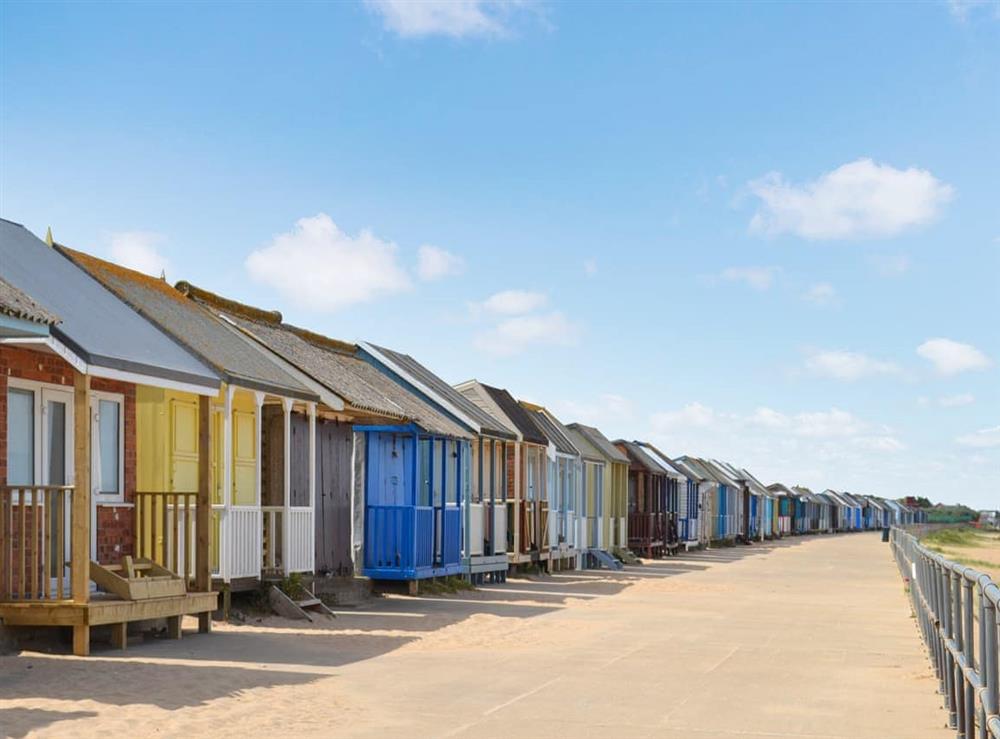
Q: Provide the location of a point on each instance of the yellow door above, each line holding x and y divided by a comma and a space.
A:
244, 459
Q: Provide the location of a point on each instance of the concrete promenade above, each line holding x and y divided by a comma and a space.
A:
808, 637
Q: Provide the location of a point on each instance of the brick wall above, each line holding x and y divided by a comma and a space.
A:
114, 523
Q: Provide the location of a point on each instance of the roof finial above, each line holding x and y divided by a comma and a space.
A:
163, 275
48, 236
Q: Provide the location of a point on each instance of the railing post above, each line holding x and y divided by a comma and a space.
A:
969, 654
80, 528
991, 678
203, 567
286, 549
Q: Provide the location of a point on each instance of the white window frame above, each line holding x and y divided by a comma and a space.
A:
40, 459
96, 396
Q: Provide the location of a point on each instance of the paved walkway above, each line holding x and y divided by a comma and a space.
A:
801, 638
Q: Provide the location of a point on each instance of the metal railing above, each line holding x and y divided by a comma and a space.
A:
956, 608
35, 556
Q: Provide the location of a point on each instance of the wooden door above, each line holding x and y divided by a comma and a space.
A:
334, 446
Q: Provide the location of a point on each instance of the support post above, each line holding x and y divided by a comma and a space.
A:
81, 523
202, 564
311, 410
286, 528
517, 496
258, 430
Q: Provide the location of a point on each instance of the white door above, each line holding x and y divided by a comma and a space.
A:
56, 459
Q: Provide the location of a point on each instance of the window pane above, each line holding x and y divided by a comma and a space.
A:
108, 421
451, 474
56, 442
20, 437
424, 496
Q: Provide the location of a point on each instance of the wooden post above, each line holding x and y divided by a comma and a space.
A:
202, 565
80, 531
312, 481
286, 523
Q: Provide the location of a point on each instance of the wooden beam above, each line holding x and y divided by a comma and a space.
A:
203, 567
119, 635
81, 640
80, 532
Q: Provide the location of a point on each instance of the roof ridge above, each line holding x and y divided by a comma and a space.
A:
228, 304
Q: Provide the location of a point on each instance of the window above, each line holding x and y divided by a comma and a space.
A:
451, 471
473, 471
109, 446
20, 437
499, 490
424, 491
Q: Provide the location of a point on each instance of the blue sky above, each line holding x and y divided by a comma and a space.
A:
768, 233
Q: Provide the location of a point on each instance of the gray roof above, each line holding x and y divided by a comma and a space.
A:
662, 459
522, 420
554, 431
693, 472
638, 455
588, 451
238, 359
18, 304
334, 364
718, 473
602, 442
440, 391
95, 325
779, 489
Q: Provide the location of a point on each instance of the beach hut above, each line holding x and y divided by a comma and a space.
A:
615, 487
732, 504
592, 516
262, 426
818, 511
356, 395
527, 539
682, 505
700, 493
73, 360
647, 501
787, 503
482, 475
564, 487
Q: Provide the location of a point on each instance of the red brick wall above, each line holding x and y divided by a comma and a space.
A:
114, 524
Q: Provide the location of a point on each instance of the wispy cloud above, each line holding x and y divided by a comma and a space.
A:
847, 366
758, 278
453, 18
955, 401
890, 265
952, 357
319, 267
963, 10
983, 439
517, 334
513, 302
433, 263
860, 199
822, 294
139, 250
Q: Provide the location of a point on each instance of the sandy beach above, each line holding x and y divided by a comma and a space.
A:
807, 637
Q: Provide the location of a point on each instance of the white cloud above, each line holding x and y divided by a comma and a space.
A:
433, 263
982, 439
890, 265
692, 415
759, 278
880, 443
860, 199
848, 366
769, 418
514, 302
821, 294
519, 333
590, 267
954, 401
319, 267
951, 357
962, 9
454, 18
831, 423
605, 409
138, 250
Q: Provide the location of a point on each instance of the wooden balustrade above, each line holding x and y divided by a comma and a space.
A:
36, 523
165, 530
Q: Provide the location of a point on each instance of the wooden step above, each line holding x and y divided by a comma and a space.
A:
308, 602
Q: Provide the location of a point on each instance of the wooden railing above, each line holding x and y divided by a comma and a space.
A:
36, 523
165, 530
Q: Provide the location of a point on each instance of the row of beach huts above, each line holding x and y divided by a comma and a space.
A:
161, 444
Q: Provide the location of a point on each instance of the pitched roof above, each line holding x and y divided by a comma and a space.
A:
521, 419
693, 472
602, 442
96, 326
234, 356
588, 451
549, 425
638, 455
18, 304
438, 391
662, 459
334, 364
779, 489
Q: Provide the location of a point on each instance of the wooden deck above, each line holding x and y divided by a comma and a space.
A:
104, 609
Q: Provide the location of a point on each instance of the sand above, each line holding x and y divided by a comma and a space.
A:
809, 637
